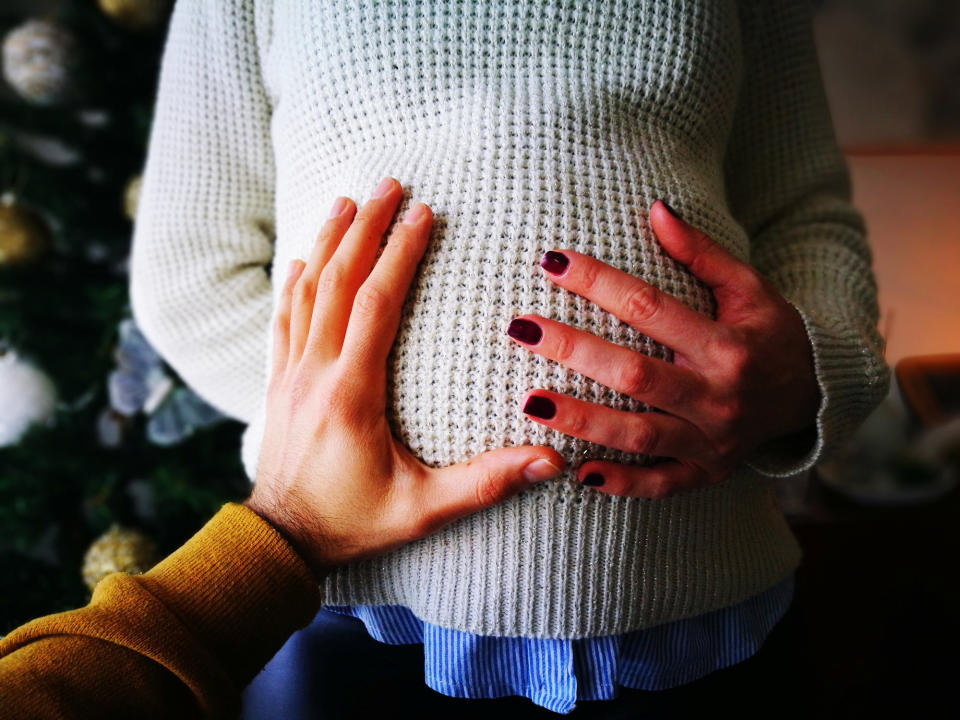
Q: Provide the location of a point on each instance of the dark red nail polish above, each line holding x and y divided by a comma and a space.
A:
540, 407
593, 480
554, 263
525, 331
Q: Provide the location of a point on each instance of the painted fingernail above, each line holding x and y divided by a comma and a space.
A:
540, 407
415, 214
672, 211
554, 263
540, 470
339, 205
383, 188
525, 331
593, 480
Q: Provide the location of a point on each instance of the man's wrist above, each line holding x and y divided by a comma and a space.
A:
289, 530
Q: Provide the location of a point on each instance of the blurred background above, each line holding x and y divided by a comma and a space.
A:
102, 445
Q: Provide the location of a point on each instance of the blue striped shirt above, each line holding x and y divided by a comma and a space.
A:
556, 673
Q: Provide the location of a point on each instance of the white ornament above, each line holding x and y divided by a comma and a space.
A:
39, 61
27, 396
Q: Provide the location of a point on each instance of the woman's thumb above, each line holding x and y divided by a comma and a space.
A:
488, 479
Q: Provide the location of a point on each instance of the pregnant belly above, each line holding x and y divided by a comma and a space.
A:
455, 381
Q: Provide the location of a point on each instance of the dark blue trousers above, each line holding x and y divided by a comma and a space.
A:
334, 670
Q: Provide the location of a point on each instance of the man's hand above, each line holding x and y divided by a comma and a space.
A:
736, 382
331, 477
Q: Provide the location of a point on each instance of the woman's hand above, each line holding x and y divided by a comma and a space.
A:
331, 477
736, 382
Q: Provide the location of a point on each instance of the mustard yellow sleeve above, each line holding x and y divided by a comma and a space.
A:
181, 640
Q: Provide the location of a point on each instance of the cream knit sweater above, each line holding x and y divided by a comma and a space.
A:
526, 127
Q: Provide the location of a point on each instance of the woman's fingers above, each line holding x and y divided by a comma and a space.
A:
729, 277
281, 320
376, 310
664, 385
350, 265
657, 481
639, 304
304, 298
643, 433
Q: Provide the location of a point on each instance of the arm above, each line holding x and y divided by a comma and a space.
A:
178, 641
334, 487
199, 290
788, 185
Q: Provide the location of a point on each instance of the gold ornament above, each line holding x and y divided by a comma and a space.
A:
40, 60
23, 235
135, 14
118, 550
131, 196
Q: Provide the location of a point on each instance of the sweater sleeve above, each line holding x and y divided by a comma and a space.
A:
180, 641
789, 187
204, 230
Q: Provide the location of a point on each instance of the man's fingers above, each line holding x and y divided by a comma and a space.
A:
304, 297
281, 319
483, 481
350, 265
375, 318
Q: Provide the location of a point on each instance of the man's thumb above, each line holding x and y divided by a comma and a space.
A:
489, 478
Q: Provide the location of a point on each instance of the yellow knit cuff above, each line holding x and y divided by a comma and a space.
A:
239, 587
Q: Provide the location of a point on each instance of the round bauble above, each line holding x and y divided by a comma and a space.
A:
135, 14
27, 396
40, 61
118, 550
131, 196
24, 237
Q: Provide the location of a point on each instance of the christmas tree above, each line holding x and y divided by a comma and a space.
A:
98, 437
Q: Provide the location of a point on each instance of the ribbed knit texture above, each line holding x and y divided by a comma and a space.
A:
526, 127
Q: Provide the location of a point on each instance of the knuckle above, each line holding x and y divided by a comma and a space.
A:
730, 409
298, 389
704, 254
370, 301
275, 383
564, 347
363, 221
281, 323
404, 237
726, 447
660, 488
644, 438
732, 354
642, 304
589, 276
489, 491
636, 378
577, 424
343, 392
304, 291
331, 279
754, 284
